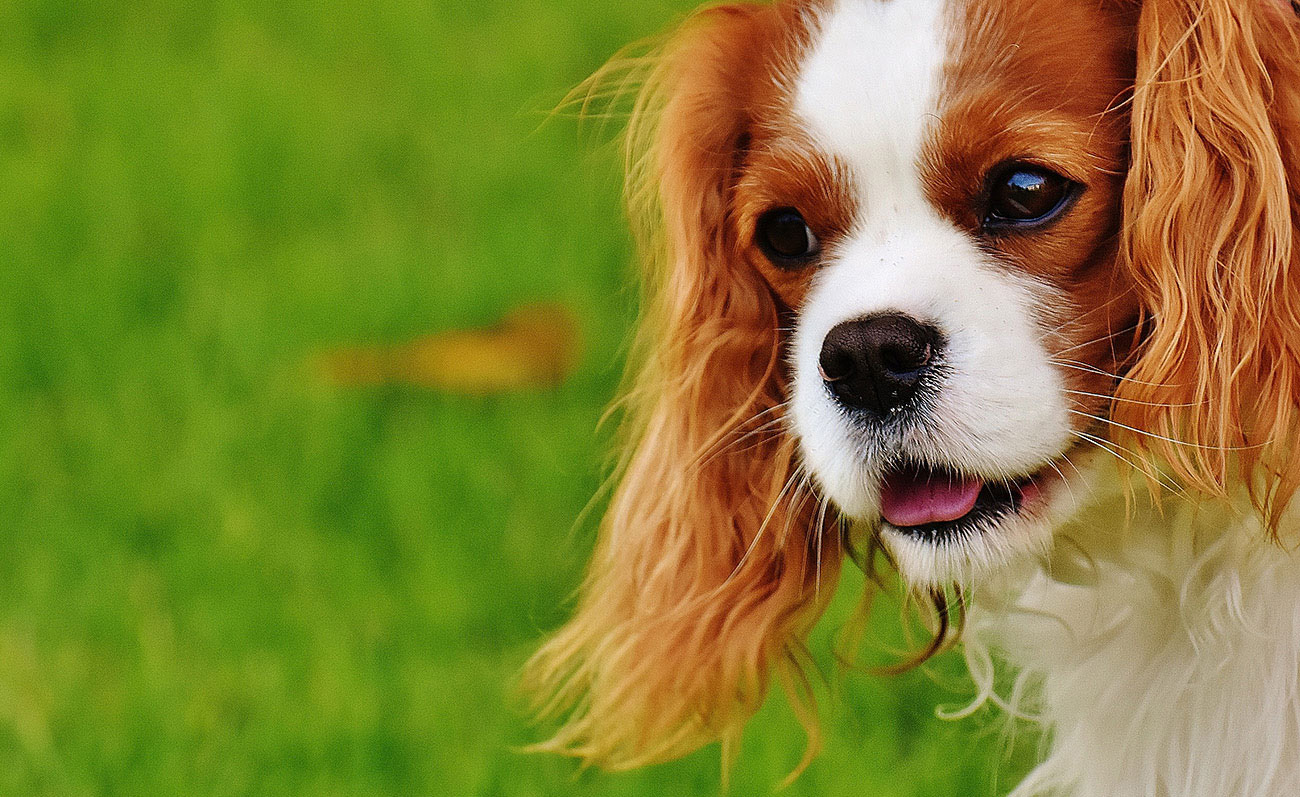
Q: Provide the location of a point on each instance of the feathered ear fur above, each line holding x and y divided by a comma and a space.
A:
1210, 220
711, 563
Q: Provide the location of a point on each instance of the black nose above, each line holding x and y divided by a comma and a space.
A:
876, 363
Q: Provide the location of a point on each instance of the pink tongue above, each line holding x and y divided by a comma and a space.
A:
915, 498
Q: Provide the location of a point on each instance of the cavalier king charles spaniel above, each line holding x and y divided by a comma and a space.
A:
1006, 294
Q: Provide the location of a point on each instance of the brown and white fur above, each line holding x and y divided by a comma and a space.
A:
1117, 379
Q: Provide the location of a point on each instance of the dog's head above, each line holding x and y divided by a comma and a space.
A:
917, 257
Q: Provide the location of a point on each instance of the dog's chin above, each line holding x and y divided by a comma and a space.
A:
942, 525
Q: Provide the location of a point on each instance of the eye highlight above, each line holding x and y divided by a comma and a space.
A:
1023, 195
786, 239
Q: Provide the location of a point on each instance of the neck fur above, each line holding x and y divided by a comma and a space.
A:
1159, 647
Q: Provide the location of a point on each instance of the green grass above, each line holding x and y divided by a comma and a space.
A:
220, 576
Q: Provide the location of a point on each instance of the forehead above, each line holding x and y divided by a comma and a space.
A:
869, 86
890, 86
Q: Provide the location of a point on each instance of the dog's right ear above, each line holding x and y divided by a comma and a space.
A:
714, 558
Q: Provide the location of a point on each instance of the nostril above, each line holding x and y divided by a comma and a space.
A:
835, 365
907, 356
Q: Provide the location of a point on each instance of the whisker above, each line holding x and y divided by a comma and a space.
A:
1109, 336
1172, 440
1135, 401
1064, 481
1070, 462
821, 534
803, 487
1109, 449
725, 437
1079, 366
730, 444
1076, 319
1157, 477
790, 481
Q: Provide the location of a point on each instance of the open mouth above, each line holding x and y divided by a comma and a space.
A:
941, 504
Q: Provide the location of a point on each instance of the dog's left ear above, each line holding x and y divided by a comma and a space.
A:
1211, 207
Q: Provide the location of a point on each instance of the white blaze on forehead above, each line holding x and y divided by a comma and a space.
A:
868, 91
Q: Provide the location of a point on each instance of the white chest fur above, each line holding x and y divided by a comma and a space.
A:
1164, 653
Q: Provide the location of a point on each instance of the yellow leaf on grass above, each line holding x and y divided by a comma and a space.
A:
535, 346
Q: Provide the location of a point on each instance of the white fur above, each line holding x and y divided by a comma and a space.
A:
1165, 650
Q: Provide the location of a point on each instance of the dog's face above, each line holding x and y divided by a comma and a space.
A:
913, 259
934, 194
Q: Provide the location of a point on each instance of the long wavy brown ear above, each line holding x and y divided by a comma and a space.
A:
710, 566
1211, 208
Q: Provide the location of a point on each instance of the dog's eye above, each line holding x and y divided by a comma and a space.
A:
785, 238
1024, 195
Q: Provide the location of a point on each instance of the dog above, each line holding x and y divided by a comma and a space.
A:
1007, 291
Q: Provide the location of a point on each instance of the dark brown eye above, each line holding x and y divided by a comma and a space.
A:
1024, 195
786, 239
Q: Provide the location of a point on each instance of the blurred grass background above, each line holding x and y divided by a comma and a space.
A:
221, 576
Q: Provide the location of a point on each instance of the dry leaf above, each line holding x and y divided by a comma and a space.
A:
535, 346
